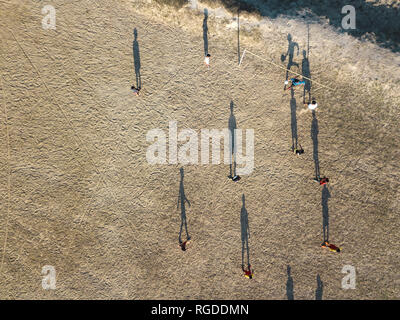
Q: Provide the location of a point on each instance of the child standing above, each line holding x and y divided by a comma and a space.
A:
183, 245
248, 273
207, 60
313, 105
136, 91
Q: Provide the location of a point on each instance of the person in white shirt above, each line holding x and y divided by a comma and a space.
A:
313, 105
207, 60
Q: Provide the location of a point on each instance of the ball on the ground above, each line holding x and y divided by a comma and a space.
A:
286, 82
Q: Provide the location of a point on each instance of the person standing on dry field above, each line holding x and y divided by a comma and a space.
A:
313, 105
183, 245
248, 273
207, 60
322, 181
136, 91
330, 246
298, 151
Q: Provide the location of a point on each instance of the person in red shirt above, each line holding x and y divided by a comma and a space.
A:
322, 181
330, 246
183, 245
248, 273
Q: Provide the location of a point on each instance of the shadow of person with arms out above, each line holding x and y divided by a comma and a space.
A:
245, 233
305, 69
232, 145
320, 288
325, 212
182, 200
290, 54
314, 137
205, 31
136, 59
293, 120
289, 284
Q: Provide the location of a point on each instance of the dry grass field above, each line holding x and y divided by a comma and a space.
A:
77, 193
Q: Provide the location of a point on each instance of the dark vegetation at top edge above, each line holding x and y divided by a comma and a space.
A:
374, 22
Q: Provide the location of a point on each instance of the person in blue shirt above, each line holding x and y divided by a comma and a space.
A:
295, 82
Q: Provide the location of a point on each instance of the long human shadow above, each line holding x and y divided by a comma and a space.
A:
379, 20
245, 232
205, 31
182, 200
293, 121
305, 69
289, 284
232, 142
136, 59
320, 288
325, 212
290, 54
314, 137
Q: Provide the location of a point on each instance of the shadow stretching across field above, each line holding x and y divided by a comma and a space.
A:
293, 120
245, 232
374, 21
290, 54
289, 284
305, 69
182, 200
320, 288
232, 141
136, 59
314, 137
205, 31
325, 212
